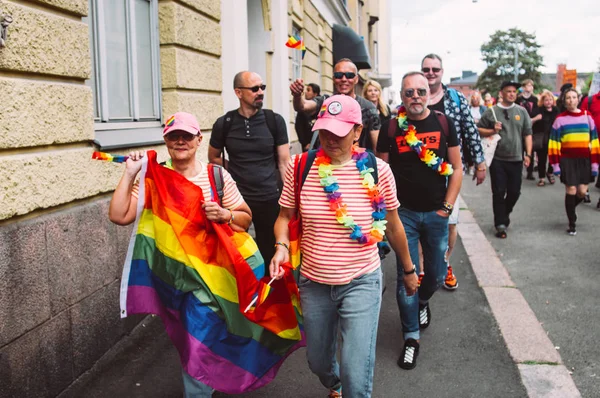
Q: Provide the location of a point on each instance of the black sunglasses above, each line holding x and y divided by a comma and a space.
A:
339, 75
427, 70
255, 88
421, 92
174, 137
506, 114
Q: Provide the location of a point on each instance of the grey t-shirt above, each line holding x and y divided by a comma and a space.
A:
516, 124
251, 150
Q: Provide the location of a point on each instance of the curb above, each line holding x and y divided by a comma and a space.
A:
540, 365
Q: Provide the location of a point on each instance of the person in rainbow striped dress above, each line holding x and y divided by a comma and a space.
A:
574, 153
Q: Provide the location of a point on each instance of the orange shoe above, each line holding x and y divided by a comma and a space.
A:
451, 283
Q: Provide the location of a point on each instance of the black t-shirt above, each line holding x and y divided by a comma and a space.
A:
370, 119
303, 126
420, 188
438, 107
545, 124
251, 150
530, 104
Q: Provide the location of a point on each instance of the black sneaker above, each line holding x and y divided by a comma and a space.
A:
530, 177
571, 231
424, 316
586, 198
410, 352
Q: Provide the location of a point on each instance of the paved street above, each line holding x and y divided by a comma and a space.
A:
556, 273
463, 353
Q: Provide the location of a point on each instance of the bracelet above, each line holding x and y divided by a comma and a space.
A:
232, 217
282, 244
447, 206
481, 169
412, 271
529, 156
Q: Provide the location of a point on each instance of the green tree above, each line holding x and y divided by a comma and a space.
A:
499, 55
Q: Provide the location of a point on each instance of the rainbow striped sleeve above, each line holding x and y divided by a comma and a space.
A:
199, 276
594, 142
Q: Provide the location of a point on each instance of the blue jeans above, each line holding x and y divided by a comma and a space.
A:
431, 230
354, 309
193, 388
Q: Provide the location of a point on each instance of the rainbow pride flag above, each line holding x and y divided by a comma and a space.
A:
199, 276
297, 43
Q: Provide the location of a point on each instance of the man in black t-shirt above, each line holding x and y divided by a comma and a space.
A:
426, 198
345, 77
256, 156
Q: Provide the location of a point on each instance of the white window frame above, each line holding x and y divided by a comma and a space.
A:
134, 131
296, 56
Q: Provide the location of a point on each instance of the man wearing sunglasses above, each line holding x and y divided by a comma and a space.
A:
427, 199
454, 105
257, 144
345, 77
513, 124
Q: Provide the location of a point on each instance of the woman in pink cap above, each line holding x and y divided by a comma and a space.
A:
347, 203
183, 137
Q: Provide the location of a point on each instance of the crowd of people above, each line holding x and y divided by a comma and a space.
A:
369, 174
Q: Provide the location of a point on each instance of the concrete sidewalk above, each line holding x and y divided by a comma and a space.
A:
462, 354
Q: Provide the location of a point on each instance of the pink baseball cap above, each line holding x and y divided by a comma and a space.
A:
338, 114
182, 121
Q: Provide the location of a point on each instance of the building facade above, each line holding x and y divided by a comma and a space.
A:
83, 75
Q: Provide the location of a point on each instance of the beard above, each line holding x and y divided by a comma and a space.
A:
258, 103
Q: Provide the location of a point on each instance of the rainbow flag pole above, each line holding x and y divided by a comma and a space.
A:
256, 298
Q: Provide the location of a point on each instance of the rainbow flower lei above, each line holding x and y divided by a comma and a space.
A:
331, 188
426, 155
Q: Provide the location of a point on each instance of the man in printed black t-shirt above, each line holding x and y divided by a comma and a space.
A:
426, 198
256, 155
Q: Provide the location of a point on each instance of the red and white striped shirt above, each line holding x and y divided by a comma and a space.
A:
232, 198
329, 256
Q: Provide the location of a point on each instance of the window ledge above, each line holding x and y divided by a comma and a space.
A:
128, 138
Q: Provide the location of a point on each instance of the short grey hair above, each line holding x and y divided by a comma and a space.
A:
409, 74
433, 56
348, 60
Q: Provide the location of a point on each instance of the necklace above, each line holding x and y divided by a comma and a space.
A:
330, 186
426, 155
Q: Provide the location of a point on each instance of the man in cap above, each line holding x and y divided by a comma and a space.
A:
257, 144
340, 283
423, 152
513, 124
345, 77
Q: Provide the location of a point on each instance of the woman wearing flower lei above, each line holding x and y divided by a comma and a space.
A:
345, 211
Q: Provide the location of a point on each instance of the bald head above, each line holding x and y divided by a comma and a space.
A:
241, 78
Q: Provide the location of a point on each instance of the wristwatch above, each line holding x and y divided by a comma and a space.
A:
412, 271
447, 207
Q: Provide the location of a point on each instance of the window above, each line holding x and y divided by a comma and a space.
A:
296, 57
125, 72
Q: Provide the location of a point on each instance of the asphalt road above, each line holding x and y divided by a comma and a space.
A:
557, 274
462, 355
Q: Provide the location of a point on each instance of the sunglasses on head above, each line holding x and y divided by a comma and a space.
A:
174, 137
339, 75
255, 88
421, 92
427, 70
506, 114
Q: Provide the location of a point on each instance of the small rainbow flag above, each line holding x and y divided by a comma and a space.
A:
109, 158
297, 43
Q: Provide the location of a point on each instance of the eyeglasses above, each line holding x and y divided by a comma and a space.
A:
421, 92
427, 70
506, 114
255, 88
339, 75
174, 137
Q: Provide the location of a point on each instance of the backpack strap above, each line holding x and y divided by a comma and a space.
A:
227, 122
372, 162
310, 157
454, 96
443, 122
272, 126
215, 177
590, 98
393, 125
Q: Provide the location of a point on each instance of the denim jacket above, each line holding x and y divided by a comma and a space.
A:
465, 125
